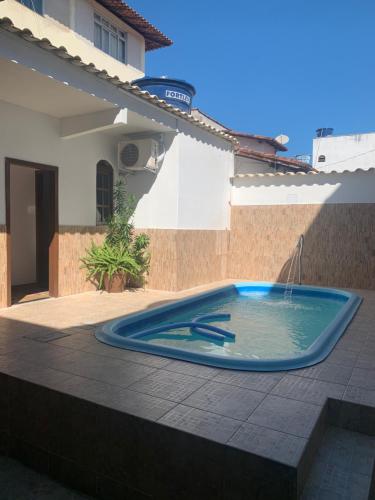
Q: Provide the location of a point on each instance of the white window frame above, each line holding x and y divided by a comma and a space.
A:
115, 38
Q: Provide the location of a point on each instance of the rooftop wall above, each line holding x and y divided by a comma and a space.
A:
344, 152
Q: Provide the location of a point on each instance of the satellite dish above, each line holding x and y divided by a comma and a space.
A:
282, 139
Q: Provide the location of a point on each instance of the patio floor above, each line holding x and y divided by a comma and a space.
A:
274, 420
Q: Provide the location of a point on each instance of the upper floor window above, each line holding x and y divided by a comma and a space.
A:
104, 192
36, 5
322, 158
109, 39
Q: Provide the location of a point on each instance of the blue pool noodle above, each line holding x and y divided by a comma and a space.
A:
213, 332
212, 317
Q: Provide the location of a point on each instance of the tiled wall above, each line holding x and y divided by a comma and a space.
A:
73, 242
339, 243
3, 266
180, 259
183, 259
339, 249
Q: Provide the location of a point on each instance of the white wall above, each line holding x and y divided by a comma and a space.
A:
192, 188
309, 189
345, 152
31, 136
158, 194
205, 167
23, 225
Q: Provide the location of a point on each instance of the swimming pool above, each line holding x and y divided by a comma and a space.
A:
245, 326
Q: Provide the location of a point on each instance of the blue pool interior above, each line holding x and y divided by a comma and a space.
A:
266, 326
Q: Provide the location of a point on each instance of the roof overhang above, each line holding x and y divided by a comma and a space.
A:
85, 80
262, 138
154, 39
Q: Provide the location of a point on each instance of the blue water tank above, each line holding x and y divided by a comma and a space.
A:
324, 132
176, 92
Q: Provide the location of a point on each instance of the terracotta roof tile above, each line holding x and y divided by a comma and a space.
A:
270, 158
154, 38
277, 145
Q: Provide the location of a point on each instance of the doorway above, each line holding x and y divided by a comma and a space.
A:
31, 203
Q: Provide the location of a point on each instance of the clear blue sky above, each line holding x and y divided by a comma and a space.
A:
272, 66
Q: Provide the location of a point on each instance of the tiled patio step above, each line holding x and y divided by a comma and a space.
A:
111, 454
343, 467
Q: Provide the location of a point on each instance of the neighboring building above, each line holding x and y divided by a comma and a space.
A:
250, 161
64, 113
255, 153
344, 152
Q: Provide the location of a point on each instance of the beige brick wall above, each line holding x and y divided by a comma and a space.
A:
339, 243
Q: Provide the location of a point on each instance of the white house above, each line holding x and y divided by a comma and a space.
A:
65, 105
344, 152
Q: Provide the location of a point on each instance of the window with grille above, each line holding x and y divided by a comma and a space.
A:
104, 192
36, 5
322, 158
109, 39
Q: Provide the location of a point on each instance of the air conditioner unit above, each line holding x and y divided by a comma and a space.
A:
136, 155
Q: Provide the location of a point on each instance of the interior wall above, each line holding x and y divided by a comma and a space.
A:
23, 224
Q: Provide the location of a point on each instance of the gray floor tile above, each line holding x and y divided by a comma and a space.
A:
168, 385
366, 361
308, 390
46, 336
227, 400
115, 397
262, 382
363, 378
125, 354
102, 368
350, 344
359, 395
286, 415
328, 372
343, 466
269, 443
201, 423
192, 369
348, 485
342, 357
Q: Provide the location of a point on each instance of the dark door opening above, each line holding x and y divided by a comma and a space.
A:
45, 227
32, 231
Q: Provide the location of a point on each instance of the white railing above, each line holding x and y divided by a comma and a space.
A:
295, 268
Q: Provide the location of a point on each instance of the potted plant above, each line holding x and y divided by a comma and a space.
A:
123, 257
110, 266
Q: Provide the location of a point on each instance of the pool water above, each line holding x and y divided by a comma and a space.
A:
265, 325
271, 333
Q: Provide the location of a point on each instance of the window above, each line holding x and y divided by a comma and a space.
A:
104, 192
321, 159
36, 5
109, 39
